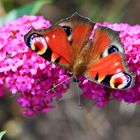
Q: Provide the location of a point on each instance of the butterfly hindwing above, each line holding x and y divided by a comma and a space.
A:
107, 64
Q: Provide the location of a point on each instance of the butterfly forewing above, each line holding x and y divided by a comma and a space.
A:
81, 28
63, 40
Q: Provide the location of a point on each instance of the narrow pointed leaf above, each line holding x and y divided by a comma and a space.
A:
2, 134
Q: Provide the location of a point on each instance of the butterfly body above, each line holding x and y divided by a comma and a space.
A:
80, 64
68, 43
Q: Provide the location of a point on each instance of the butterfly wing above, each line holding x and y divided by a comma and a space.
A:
81, 28
107, 64
51, 44
62, 42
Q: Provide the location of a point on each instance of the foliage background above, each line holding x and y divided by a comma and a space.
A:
118, 121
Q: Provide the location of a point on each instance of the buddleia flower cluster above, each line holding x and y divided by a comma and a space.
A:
25, 73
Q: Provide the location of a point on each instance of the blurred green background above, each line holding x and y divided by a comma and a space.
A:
98, 10
117, 120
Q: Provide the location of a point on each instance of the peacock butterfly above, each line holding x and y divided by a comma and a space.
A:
69, 44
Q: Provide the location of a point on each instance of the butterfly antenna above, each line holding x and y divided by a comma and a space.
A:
55, 86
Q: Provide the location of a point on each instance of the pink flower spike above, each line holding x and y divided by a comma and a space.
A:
25, 73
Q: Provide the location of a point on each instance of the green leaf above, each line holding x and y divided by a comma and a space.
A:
30, 9
2, 134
